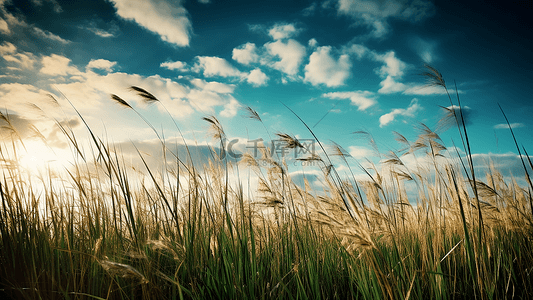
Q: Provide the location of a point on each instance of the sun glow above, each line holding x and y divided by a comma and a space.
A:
36, 157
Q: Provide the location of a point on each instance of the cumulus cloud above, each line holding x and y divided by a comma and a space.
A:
165, 18
361, 99
290, 54
410, 111
392, 65
390, 85
283, 31
323, 68
506, 126
101, 64
257, 78
246, 54
216, 66
375, 14
7, 48
391, 70
231, 108
57, 65
174, 65
4, 28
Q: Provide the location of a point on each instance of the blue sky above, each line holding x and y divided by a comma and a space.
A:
342, 65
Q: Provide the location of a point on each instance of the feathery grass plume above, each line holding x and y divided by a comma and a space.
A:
123, 270
403, 141
120, 101
216, 128
369, 139
53, 100
289, 141
147, 96
252, 114
433, 76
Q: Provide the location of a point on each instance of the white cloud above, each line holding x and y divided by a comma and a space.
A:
357, 49
506, 126
174, 65
257, 78
231, 108
425, 49
57, 65
290, 53
162, 17
393, 66
16, 97
92, 27
361, 99
101, 64
7, 48
375, 13
391, 70
312, 43
389, 85
4, 28
410, 111
323, 68
360, 152
49, 35
282, 31
246, 54
423, 89
213, 86
216, 66
24, 60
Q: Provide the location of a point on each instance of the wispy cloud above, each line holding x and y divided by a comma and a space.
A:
506, 126
57, 8
375, 14
93, 27
410, 111
165, 18
361, 99
49, 35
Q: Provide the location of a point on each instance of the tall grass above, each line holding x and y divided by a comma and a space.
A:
188, 232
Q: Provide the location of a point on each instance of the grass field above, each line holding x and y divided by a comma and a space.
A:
188, 232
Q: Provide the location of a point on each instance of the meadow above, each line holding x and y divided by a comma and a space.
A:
188, 232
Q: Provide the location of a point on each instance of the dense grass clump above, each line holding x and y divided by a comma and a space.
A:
187, 231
